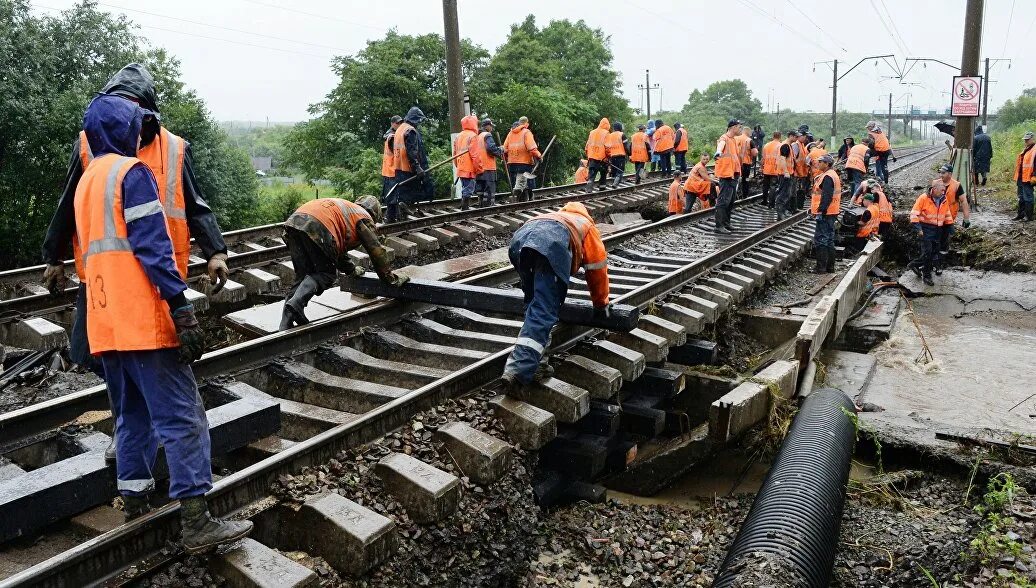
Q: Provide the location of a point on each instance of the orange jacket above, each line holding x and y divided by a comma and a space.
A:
728, 164
595, 144
468, 165
881, 141
339, 217
664, 138
520, 145
871, 226
640, 147
684, 143
583, 173
836, 201
587, 248
883, 203
698, 181
676, 193
400, 160
1024, 164
926, 212
952, 189
614, 146
801, 169
478, 150
164, 157
771, 151
855, 158
815, 154
388, 167
124, 309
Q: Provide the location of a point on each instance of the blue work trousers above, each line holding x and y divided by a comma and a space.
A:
855, 177
544, 293
1025, 192
824, 233
155, 401
78, 343
467, 188
881, 167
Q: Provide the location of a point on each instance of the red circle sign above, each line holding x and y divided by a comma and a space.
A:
966, 90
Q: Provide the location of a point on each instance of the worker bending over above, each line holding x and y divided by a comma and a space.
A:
547, 251
958, 201
867, 225
582, 172
825, 205
931, 212
319, 236
700, 185
141, 326
884, 204
677, 194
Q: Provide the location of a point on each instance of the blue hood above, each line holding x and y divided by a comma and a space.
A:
112, 125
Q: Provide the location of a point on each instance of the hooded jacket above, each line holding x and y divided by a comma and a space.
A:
595, 144
520, 145
470, 164
131, 82
413, 141
112, 126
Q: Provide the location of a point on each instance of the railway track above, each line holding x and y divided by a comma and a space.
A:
342, 384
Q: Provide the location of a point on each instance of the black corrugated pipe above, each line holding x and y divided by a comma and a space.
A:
790, 534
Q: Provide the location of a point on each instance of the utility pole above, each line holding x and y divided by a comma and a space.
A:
985, 90
889, 130
834, 104
778, 117
647, 87
454, 76
964, 132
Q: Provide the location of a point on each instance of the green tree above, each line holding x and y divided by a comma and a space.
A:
726, 99
1017, 111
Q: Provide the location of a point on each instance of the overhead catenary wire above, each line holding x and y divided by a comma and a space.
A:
814, 23
324, 17
895, 28
1007, 37
756, 8
888, 29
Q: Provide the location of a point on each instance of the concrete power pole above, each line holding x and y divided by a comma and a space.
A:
888, 131
454, 77
834, 105
964, 132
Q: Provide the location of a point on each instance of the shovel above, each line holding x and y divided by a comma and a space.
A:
412, 178
521, 182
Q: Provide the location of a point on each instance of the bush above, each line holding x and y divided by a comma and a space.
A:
1007, 144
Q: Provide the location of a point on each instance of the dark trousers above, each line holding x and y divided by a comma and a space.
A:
308, 260
637, 166
386, 185
78, 342
746, 168
881, 166
929, 250
485, 188
883, 229
617, 167
802, 188
855, 177
544, 292
597, 168
766, 189
1025, 193
725, 201
681, 161
944, 239
824, 233
782, 201
665, 163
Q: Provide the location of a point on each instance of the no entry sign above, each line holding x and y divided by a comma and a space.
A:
967, 94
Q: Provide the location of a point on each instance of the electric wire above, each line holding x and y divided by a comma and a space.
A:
813, 22
1007, 37
756, 8
318, 16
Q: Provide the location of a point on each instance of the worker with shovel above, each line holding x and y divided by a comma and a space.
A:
520, 153
410, 159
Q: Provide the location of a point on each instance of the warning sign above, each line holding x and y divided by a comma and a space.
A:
967, 95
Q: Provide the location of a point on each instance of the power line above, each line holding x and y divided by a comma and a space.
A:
315, 15
1007, 37
751, 5
888, 29
813, 22
195, 22
894, 27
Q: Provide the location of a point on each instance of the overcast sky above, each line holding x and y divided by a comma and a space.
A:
259, 59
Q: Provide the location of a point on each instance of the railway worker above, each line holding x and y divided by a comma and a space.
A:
665, 142
469, 165
521, 154
748, 153
597, 154
640, 152
884, 204
388, 166
582, 172
882, 150
771, 152
681, 143
800, 171
677, 194
785, 182
982, 154
856, 163
931, 212
319, 236
815, 152
758, 139
728, 171
1025, 177
825, 205
958, 202
187, 214
700, 185
409, 159
142, 327
487, 151
867, 225
547, 251
843, 149
617, 147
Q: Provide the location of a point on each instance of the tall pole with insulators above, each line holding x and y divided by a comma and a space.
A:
834, 105
647, 88
888, 131
985, 95
969, 60
454, 78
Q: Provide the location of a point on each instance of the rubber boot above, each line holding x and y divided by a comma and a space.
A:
287, 319
1028, 212
392, 213
109, 452
464, 203
1021, 212
134, 507
544, 372
202, 532
832, 256
490, 199
927, 279
296, 305
615, 181
821, 255
404, 211
590, 185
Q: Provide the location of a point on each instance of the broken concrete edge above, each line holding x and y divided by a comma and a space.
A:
751, 402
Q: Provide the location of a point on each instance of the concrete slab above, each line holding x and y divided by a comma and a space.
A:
675, 334
349, 362
257, 281
251, 564
847, 371
626, 218
466, 232
567, 402
429, 331
737, 292
721, 299
480, 456
462, 318
231, 293
462, 267
659, 463
709, 309
35, 333
875, 324
445, 236
601, 381
749, 404
361, 259
770, 328
630, 363
529, 426
350, 537
300, 382
401, 247
653, 347
396, 347
299, 421
689, 319
283, 270
424, 242
97, 521
427, 493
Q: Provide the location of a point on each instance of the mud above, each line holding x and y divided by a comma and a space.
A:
44, 384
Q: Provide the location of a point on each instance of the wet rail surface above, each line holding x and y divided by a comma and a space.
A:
337, 387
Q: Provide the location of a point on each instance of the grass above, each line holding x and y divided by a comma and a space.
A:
992, 543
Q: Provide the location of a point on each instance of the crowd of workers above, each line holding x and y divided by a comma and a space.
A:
131, 205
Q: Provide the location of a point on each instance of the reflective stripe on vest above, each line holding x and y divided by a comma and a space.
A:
884, 207
110, 241
578, 228
836, 200
926, 211
479, 147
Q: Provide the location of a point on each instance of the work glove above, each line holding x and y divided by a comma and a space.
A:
218, 271
894, 160
54, 278
421, 173
398, 280
716, 156
347, 267
603, 312
967, 223
190, 334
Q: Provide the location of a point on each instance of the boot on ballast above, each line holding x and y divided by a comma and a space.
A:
1028, 212
201, 531
821, 255
135, 506
464, 203
615, 181
832, 256
544, 372
590, 185
404, 211
294, 307
110, 453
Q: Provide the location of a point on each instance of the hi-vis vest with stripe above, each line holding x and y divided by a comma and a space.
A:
164, 156
579, 229
124, 309
927, 212
339, 217
836, 201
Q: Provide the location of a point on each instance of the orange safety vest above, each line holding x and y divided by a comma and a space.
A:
729, 161
855, 158
871, 226
801, 169
684, 142
698, 181
613, 145
664, 138
587, 248
339, 217
479, 152
519, 145
400, 159
925, 211
164, 156
748, 152
582, 174
884, 207
596, 143
951, 196
836, 201
815, 154
388, 168
640, 152
771, 151
124, 309
1024, 164
467, 165
881, 142
675, 197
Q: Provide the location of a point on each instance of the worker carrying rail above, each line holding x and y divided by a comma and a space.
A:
141, 326
319, 236
547, 251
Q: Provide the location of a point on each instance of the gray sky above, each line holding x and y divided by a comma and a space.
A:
686, 44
